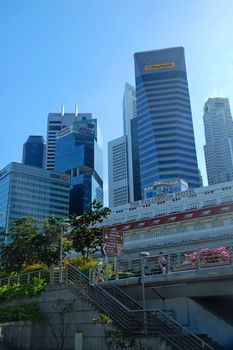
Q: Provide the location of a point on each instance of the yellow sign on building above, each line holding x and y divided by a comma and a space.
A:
160, 66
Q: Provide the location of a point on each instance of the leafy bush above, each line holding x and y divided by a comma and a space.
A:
83, 264
27, 312
34, 267
14, 291
122, 275
126, 274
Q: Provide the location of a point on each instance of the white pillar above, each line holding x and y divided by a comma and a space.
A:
78, 341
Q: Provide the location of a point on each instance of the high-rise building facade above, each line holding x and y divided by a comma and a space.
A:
219, 140
79, 154
30, 191
56, 122
118, 180
129, 107
121, 164
129, 114
34, 151
166, 143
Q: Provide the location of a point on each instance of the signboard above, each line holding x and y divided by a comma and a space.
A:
113, 237
164, 197
160, 66
110, 249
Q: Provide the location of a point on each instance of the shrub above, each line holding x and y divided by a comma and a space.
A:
14, 291
34, 267
27, 312
84, 265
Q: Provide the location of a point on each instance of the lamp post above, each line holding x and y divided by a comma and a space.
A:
143, 255
63, 225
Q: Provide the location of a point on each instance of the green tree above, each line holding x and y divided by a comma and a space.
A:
30, 242
48, 242
19, 247
87, 232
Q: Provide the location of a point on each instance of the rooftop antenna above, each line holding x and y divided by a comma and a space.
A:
62, 110
76, 111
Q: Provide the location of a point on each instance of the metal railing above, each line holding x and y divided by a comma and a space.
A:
180, 261
137, 321
123, 309
50, 276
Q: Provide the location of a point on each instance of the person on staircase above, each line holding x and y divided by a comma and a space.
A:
163, 263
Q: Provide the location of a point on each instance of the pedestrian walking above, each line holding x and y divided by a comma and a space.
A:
162, 262
100, 272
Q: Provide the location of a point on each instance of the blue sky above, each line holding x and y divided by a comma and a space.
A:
80, 52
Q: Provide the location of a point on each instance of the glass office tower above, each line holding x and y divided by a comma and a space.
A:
219, 140
34, 151
30, 191
166, 143
56, 122
79, 154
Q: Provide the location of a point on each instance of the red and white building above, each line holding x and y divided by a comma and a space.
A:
181, 221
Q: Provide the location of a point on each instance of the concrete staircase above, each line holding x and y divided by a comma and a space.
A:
129, 315
210, 341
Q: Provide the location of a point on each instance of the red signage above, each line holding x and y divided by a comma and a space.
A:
112, 236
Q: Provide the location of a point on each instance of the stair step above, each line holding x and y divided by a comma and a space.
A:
210, 341
159, 324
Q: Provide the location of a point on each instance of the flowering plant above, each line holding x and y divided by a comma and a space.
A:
209, 255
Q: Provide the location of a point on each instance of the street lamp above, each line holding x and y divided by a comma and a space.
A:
143, 255
63, 225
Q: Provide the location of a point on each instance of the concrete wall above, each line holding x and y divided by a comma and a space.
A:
197, 319
17, 334
25, 336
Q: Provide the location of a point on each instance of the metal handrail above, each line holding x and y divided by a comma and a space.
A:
97, 286
173, 322
171, 328
203, 260
168, 328
24, 277
125, 295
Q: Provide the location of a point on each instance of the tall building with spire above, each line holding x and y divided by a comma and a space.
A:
167, 151
219, 140
78, 153
56, 122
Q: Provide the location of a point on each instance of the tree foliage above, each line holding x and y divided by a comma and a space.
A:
29, 242
87, 232
20, 245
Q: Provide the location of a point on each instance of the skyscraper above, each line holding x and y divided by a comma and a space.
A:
30, 191
129, 107
56, 122
219, 140
129, 114
166, 143
121, 167
34, 151
118, 180
79, 154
